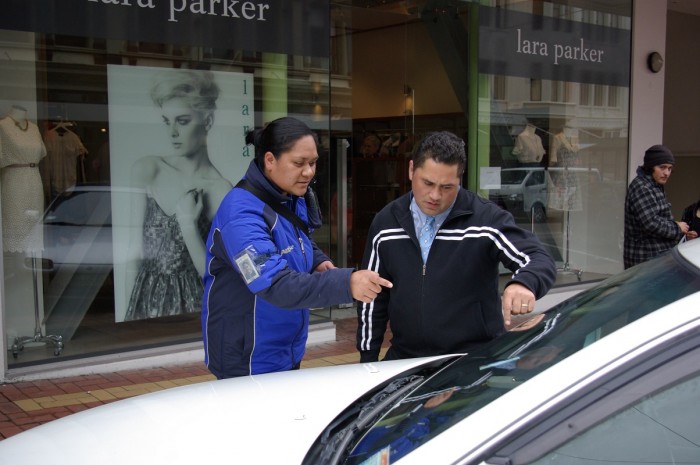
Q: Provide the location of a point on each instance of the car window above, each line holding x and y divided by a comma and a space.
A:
80, 208
662, 428
537, 178
506, 362
513, 176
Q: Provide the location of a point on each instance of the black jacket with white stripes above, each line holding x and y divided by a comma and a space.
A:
453, 302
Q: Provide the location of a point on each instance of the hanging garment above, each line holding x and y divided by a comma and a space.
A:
60, 169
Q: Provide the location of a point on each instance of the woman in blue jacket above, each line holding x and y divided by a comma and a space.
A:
263, 270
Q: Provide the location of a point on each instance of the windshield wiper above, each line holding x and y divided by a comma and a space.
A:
334, 451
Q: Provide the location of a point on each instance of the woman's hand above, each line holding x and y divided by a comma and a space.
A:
365, 285
324, 266
189, 207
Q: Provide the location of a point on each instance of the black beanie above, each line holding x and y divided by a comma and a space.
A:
658, 155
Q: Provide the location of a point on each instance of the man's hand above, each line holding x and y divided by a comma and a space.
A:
517, 300
365, 285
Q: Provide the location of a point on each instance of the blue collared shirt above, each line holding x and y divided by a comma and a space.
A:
420, 218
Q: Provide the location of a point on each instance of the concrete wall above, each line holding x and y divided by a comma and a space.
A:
647, 93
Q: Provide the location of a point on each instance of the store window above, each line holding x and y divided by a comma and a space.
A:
116, 152
563, 162
552, 74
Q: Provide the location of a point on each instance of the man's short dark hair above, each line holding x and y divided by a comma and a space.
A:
443, 147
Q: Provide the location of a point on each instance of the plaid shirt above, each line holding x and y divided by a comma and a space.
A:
649, 225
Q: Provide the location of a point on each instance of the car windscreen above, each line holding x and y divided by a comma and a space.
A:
508, 361
80, 208
513, 176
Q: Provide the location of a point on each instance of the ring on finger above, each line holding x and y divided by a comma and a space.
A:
525, 305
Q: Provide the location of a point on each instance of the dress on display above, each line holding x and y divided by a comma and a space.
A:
167, 282
21, 149
60, 167
564, 191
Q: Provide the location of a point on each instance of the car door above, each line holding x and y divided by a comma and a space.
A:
646, 411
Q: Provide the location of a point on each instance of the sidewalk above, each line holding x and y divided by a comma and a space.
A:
25, 405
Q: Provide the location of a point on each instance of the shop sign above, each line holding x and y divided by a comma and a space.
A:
519, 44
295, 27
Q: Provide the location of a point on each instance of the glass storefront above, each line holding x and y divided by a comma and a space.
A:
110, 116
540, 91
116, 150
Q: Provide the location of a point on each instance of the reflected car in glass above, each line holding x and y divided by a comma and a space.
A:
82, 246
526, 191
607, 376
78, 229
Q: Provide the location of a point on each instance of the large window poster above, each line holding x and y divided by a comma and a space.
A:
177, 145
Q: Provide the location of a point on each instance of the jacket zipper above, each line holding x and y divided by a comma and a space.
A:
301, 241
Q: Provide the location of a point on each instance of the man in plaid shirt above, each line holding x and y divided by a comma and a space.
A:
649, 225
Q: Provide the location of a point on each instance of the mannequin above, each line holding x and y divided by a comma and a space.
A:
21, 149
528, 147
22, 195
565, 193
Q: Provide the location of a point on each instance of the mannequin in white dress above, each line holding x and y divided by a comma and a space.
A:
21, 149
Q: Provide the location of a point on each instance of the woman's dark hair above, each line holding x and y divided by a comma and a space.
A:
443, 147
278, 136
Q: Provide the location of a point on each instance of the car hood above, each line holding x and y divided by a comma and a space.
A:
271, 418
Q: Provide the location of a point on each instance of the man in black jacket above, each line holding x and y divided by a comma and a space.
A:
441, 246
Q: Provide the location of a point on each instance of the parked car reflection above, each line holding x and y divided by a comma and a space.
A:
82, 246
78, 229
526, 191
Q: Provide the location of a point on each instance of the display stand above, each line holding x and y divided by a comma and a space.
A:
39, 337
566, 269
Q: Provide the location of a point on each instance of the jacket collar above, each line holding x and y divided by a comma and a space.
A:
256, 177
648, 177
401, 209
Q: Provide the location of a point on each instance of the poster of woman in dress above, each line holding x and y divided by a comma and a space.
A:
177, 141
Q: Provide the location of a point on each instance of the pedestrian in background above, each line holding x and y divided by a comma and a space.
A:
649, 225
691, 216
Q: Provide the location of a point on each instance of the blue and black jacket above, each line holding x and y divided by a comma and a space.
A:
259, 283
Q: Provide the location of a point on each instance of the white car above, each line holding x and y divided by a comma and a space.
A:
526, 190
610, 376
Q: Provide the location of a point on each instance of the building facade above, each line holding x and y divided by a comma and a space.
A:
550, 97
